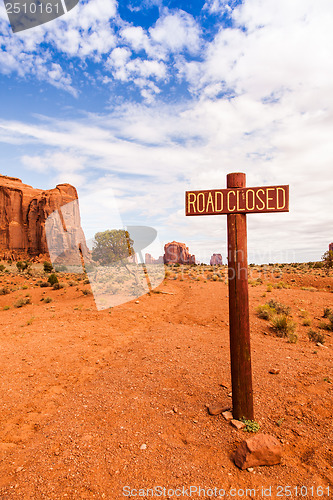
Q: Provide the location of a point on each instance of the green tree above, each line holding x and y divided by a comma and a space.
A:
112, 246
53, 279
23, 266
327, 259
48, 267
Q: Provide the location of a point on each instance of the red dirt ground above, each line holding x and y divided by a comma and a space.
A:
81, 392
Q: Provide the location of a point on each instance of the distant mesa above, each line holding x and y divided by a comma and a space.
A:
23, 212
216, 259
177, 253
150, 260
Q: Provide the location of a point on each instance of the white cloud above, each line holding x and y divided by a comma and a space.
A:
219, 7
176, 31
64, 167
277, 127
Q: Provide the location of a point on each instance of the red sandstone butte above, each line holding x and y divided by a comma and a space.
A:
23, 212
177, 253
261, 449
149, 259
216, 259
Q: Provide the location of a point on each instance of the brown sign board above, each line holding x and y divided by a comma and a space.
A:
237, 200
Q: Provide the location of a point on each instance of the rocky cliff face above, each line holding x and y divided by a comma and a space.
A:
177, 253
23, 212
216, 259
149, 259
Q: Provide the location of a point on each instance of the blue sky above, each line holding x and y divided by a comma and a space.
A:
136, 102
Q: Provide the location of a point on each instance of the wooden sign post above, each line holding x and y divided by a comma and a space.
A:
236, 202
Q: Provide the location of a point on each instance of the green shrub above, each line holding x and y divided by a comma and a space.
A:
250, 425
265, 312
48, 267
4, 290
316, 336
57, 286
22, 302
6, 308
2, 268
327, 312
22, 266
306, 322
47, 300
279, 308
53, 279
283, 326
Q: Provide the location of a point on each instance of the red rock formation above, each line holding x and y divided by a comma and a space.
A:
216, 259
23, 212
177, 253
149, 259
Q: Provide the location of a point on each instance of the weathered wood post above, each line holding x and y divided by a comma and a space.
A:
236, 201
240, 350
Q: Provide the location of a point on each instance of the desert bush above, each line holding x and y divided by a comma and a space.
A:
48, 268
327, 312
279, 308
53, 279
2, 268
6, 308
315, 336
44, 284
47, 300
57, 286
306, 322
250, 425
22, 302
22, 266
86, 291
265, 312
327, 326
269, 288
318, 265
283, 326
4, 290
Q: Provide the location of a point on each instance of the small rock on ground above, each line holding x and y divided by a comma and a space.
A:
261, 449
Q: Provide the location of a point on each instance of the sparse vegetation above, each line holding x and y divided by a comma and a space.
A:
250, 425
327, 312
22, 302
315, 336
53, 279
265, 312
23, 266
306, 322
327, 259
283, 326
48, 268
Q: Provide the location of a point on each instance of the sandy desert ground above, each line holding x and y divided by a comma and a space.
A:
95, 404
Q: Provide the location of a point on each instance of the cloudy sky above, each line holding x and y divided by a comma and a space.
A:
135, 102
